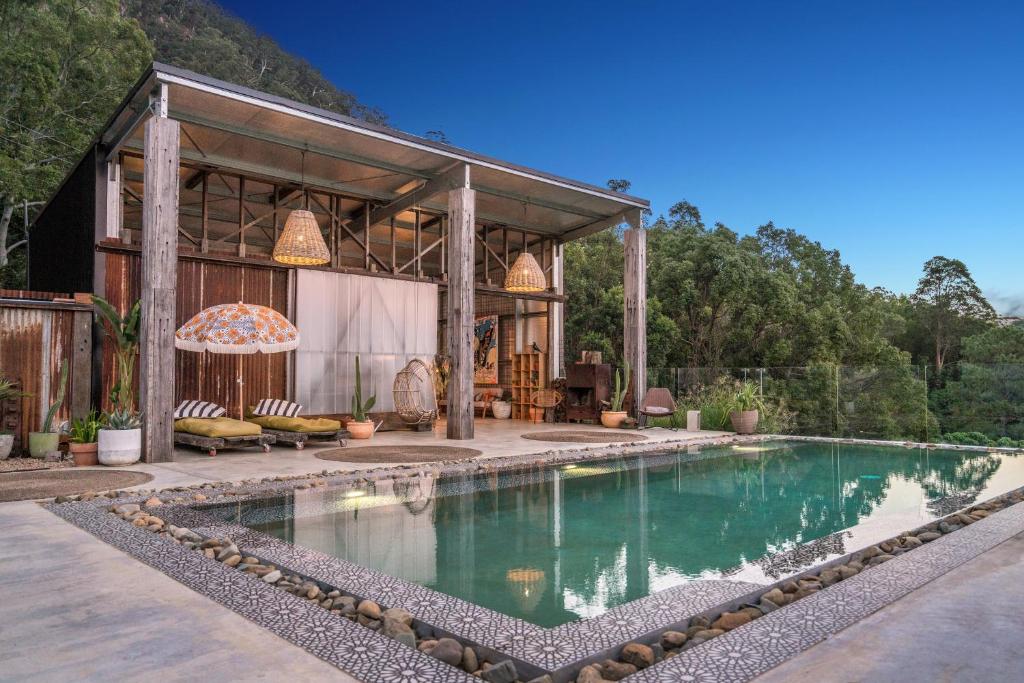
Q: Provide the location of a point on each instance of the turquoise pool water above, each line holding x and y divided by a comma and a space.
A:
555, 545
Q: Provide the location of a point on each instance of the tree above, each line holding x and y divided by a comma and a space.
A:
200, 36
951, 303
64, 65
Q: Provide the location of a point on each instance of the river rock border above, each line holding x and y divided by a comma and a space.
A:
743, 637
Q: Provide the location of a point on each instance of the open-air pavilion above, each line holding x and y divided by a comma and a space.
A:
189, 186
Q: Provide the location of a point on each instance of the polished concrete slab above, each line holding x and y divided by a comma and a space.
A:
966, 625
494, 438
77, 609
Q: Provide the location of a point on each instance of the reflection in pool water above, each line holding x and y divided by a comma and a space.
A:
574, 541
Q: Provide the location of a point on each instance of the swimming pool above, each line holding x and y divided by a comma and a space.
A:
551, 545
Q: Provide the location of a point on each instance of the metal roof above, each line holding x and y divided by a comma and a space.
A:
232, 127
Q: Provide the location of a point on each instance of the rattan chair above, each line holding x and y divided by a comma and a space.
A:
413, 391
658, 402
545, 399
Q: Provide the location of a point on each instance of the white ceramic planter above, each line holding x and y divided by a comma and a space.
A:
501, 409
120, 446
6, 444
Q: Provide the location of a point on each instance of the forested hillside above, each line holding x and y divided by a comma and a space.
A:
200, 36
65, 65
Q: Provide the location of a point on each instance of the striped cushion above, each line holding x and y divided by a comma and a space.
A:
197, 409
276, 406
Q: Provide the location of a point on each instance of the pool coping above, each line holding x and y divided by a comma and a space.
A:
559, 650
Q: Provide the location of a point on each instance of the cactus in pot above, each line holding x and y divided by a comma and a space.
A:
614, 417
361, 426
47, 440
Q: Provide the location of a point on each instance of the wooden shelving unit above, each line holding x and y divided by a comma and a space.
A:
529, 373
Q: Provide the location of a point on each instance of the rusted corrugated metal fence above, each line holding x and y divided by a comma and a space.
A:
36, 335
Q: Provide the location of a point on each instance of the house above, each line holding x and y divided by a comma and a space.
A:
185, 193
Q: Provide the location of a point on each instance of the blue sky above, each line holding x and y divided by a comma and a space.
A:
892, 131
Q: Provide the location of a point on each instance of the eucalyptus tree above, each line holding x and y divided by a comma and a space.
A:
951, 305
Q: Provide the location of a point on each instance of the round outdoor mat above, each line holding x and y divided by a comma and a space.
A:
398, 454
607, 436
52, 483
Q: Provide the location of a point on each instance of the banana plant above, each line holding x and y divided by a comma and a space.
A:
124, 332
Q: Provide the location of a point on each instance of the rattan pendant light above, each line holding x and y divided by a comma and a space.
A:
525, 275
301, 243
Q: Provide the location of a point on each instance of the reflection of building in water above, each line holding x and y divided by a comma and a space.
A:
396, 539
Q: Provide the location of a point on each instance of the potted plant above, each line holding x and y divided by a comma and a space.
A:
120, 438
84, 436
745, 409
7, 393
501, 408
616, 416
361, 426
47, 440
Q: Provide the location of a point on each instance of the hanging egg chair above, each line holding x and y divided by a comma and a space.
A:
413, 391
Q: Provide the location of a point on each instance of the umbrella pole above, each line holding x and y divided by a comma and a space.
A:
241, 401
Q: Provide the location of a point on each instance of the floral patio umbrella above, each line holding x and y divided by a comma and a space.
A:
239, 329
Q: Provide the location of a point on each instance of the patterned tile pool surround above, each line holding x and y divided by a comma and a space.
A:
738, 655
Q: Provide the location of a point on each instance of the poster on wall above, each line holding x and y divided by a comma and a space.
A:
485, 350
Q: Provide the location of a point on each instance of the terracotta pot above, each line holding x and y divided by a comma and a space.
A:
744, 421
120, 446
42, 443
85, 454
613, 419
360, 430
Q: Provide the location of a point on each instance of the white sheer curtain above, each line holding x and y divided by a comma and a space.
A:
385, 322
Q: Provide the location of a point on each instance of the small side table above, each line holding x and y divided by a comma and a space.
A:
693, 420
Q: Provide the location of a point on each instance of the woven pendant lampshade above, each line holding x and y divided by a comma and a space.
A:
301, 243
525, 275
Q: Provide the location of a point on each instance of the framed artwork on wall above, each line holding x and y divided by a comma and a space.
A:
485, 350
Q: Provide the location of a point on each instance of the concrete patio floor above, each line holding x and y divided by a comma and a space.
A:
966, 625
494, 438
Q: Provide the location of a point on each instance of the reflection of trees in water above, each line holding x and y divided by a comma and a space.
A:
697, 516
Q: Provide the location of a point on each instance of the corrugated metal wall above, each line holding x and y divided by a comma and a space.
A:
35, 337
201, 284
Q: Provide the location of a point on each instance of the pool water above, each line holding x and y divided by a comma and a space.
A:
558, 544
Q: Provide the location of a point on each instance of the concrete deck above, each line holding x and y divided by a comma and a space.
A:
966, 625
77, 609
495, 438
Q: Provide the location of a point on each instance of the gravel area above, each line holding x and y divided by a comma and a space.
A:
29, 464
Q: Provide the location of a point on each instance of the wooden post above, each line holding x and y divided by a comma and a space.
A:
461, 246
241, 216
204, 244
81, 364
159, 273
635, 307
556, 321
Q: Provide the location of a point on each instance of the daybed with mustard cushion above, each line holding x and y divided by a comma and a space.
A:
215, 431
288, 427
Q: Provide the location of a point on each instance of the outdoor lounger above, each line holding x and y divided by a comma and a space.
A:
214, 433
298, 430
